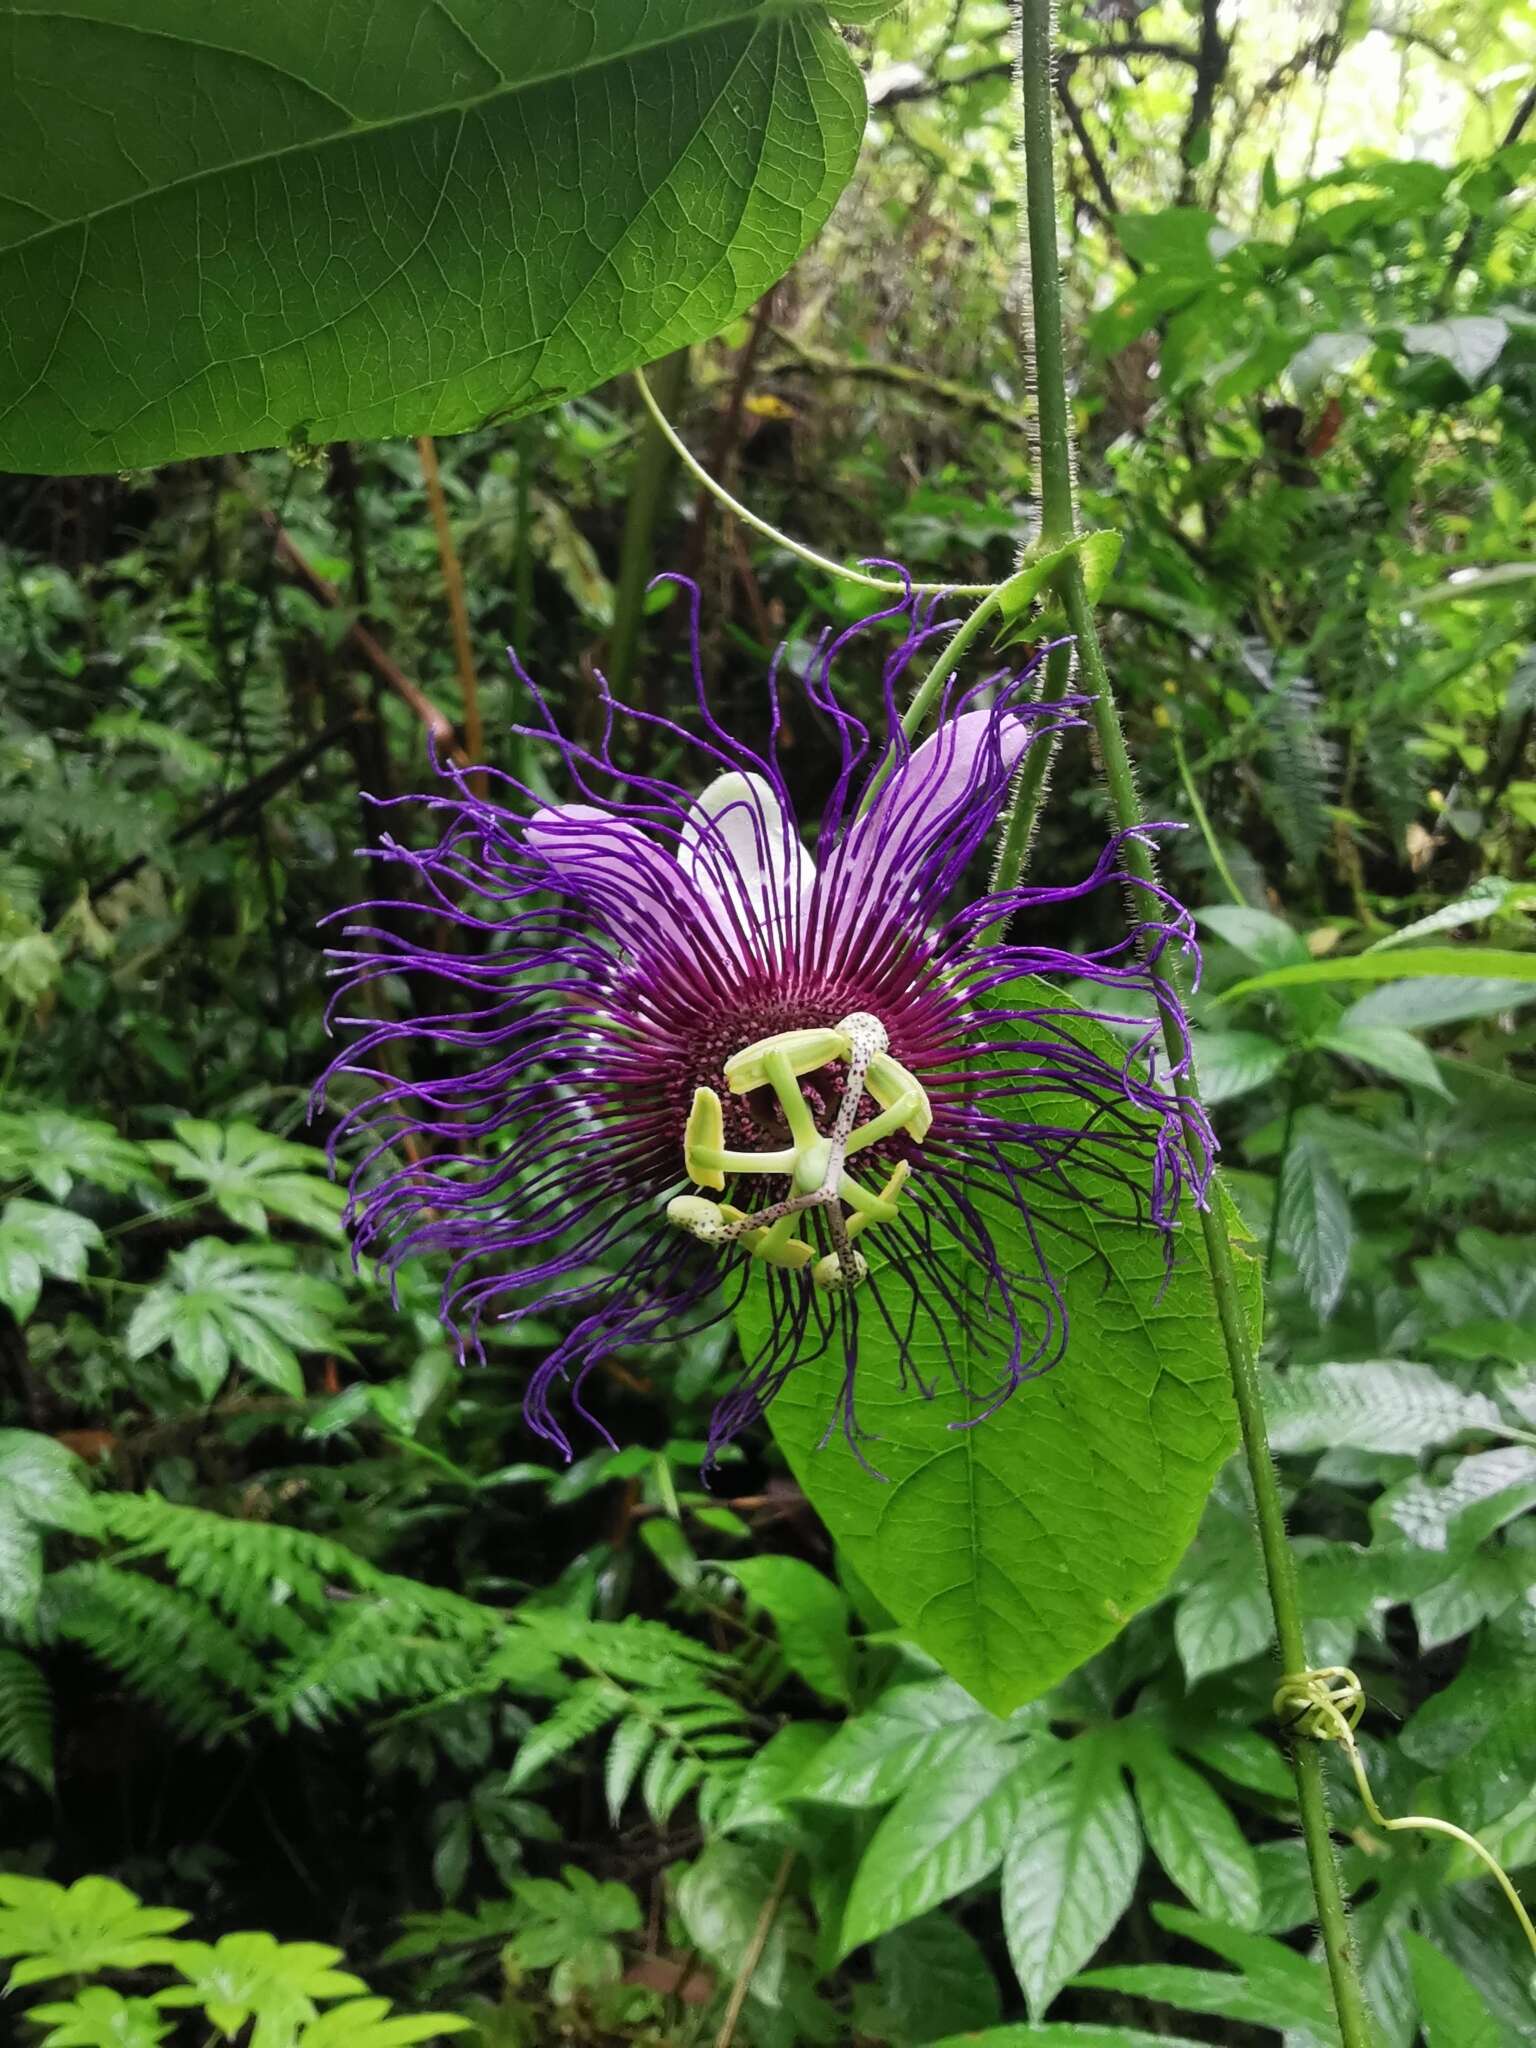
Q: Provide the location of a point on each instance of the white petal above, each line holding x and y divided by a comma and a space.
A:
744, 856
629, 881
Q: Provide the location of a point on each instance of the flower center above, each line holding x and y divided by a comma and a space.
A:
814, 1164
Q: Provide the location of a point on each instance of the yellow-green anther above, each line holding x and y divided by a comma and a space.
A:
704, 1140
700, 1218
804, 1050
890, 1084
869, 1208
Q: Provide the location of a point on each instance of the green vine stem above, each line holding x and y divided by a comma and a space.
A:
1058, 524
647, 479
1202, 820
758, 524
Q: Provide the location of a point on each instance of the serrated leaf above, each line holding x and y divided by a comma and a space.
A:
1070, 1871
1194, 1836
627, 1752
1139, 1408
948, 1830
1316, 1226
26, 1711
1375, 1404
421, 218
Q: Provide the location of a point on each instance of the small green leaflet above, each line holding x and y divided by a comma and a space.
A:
1233, 1063
1071, 1870
810, 1615
37, 1239
1316, 1227
1194, 1835
1097, 551
99, 2017
949, 1830
910, 1733
221, 1304
250, 1174
1376, 1404
95, 1924
420, 219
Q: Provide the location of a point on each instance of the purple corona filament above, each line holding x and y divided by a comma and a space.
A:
640, 1000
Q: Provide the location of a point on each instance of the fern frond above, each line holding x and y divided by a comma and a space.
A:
590, 1705
161, 1641
1303, 766
26, 1718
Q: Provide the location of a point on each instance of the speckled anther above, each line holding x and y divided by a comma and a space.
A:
813, 1162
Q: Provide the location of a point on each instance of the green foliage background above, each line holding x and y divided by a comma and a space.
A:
298, 1630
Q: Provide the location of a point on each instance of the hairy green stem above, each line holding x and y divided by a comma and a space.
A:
1058, 522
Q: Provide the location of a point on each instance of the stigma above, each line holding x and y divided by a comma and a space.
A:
814, 1163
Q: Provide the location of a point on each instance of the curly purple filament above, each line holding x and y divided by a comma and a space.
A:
609, 955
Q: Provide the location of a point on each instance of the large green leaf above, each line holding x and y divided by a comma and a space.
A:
1480, 963
1014, 1549
421, 216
